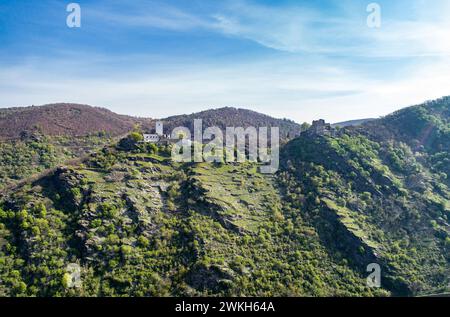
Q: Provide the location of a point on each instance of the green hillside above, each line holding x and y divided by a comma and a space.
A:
139, 224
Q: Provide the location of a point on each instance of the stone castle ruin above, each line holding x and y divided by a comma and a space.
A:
321, 128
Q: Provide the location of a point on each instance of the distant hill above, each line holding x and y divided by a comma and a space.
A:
79, 120
233, 117
63, 119
351, 123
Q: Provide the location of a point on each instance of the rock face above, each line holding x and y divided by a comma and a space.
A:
213, 278
336, 232
67, 183
142, 208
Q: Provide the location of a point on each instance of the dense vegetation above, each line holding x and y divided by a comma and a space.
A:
35, 153
138, 224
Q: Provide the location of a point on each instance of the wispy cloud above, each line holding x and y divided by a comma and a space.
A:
305, 61
272, 86
147, 15
303, 29
284, 29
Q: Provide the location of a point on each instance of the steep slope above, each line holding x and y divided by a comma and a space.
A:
379, 193
232, 117
20, 159
140, 225
63, 119
424, 128
33, 139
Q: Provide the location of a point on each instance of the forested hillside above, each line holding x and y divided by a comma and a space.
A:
64, 119
139, 224
233, 117
36, 153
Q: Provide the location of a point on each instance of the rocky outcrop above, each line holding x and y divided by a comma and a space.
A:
213, 278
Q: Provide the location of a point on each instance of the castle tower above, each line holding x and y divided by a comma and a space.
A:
159, 128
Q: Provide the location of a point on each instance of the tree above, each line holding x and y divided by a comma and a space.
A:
130, 142
152, 148
305, 126
136, 137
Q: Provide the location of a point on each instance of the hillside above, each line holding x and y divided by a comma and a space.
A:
67, 119
42, 137
424, 128
384, 186
33, 139
63, 120
233, 117
139, 224
20, 159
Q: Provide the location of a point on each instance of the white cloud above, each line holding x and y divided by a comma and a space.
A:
300, 29
379, 71
302, 93
297, 28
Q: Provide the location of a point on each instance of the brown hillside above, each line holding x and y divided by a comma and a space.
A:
63, 119
233, 117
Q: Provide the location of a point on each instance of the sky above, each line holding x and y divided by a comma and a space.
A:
295, 59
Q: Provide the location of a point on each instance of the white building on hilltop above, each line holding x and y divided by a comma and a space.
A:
158, 136
151, 138
159, 128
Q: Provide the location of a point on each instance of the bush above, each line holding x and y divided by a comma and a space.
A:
152, 148
136, 137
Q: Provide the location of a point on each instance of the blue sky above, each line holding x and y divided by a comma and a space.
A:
290, 58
